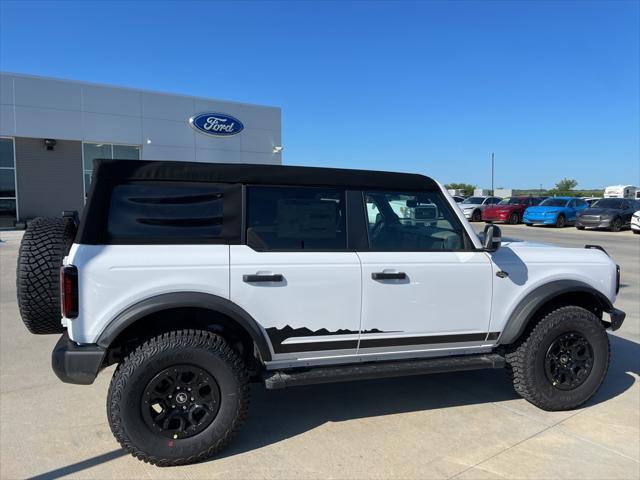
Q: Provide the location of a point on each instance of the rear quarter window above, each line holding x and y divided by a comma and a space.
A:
161, 212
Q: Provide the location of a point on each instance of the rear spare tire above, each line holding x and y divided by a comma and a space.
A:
45, 243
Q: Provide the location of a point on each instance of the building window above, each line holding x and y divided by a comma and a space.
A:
91, 151
8, 204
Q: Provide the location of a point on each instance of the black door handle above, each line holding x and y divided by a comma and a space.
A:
254, 278
389, 275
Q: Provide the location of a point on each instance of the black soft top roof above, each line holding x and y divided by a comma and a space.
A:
116, 171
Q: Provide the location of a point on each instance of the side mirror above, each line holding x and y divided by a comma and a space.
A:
492, 238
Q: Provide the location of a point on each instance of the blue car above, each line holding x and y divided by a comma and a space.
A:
557, 211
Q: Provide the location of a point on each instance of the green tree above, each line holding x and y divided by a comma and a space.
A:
466, 188
566, 185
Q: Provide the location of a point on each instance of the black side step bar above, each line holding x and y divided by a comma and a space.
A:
367, 371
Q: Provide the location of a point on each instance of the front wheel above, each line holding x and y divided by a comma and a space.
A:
616, 224
563, 361
178, 398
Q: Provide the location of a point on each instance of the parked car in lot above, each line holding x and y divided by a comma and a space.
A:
635, 222
612, 213
472, 207
509, 210
556, 211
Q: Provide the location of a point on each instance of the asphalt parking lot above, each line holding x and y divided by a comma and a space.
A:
462, 425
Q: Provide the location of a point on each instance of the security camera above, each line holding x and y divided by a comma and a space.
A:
49, 143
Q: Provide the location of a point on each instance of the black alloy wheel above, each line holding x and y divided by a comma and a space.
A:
568, 361
514, 218
616, 224
180, 401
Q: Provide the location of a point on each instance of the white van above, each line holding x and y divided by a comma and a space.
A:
621, 191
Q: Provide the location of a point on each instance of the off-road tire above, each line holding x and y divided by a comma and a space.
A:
526, 360
476, 216
45, 243
197, 347
616, 224
561, 221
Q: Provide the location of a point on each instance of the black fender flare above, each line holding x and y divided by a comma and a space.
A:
519, 318
186, 299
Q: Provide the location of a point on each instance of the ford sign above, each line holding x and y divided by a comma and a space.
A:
217, 124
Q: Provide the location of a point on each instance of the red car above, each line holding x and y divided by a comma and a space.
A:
509, 210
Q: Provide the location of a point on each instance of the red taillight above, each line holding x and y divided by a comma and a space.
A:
69, 291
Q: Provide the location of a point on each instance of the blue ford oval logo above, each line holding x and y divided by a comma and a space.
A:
217, 124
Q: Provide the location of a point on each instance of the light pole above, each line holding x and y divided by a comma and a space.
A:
492, 171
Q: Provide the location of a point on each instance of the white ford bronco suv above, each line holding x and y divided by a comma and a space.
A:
197, 279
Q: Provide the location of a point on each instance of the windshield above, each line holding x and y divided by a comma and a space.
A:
511, 201
608, 203
554, 202
474, 200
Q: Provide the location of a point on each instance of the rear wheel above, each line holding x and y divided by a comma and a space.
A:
45, 243
616, 224
514, 218
561, 221
476, 216
563, 361
579, 227
178, 398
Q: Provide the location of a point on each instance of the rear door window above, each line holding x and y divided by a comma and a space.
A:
296, 218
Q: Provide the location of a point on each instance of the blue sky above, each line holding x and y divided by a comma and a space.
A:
432, 87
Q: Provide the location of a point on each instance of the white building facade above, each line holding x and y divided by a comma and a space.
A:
51, 130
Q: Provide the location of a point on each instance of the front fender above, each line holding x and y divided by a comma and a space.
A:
534, 300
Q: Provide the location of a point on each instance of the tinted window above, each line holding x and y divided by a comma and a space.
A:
554, 202
412, 222
608, 203
175, 212
295, 218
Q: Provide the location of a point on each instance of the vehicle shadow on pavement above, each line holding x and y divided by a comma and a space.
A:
277, 415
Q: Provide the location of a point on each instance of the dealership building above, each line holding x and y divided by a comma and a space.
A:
51, 130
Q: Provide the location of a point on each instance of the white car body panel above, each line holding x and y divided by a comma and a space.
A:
427, 302
531, 265
114, 277
321, 290
635, 221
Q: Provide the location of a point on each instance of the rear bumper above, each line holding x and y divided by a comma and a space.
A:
74, 363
